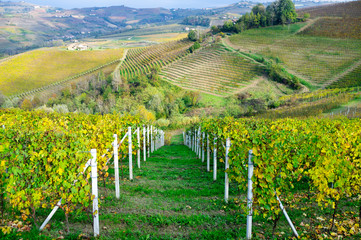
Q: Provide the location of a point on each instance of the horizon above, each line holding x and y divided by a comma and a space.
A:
67, 4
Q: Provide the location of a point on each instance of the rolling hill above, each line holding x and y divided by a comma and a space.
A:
43, 67
212, 70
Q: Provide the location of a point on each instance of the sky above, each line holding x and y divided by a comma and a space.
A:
68, 4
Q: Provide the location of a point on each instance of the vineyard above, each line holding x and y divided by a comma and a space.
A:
351, 79
40, 68
212, 69
335, 28
321, 156
347, 9
314, 59
44, 158
143, 60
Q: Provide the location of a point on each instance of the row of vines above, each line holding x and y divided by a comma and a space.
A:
43, 155
322, 154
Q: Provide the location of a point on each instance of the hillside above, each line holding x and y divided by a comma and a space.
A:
350, 9
143, 60
213, 70
42, 67
315, 59
26, 26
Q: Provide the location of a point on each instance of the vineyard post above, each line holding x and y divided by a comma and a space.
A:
184, 138
189, 140
215, 159
199, 143
50, 215
203, 138
148, 142
187, 136
249, 195
208, 154
156, 140
287, 217
226, 180
130, 153
144, 146
151, 139
138, 152
192, 141
116, 166
94, 177
196, 142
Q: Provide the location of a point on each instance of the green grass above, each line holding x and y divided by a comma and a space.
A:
42, 67
208, 100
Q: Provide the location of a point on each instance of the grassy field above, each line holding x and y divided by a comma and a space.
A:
173, 197
44, 66
315, 59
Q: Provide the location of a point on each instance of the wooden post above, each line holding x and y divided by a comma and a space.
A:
148, 142
94, 177
249, 195
116, 166
215, 159
138, 152
130, 153
208, 155
151, 140
144, 144
203, 138
226, 180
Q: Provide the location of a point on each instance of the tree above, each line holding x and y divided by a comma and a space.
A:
259, 8
26, 104
192, 35
214, 29
286, 12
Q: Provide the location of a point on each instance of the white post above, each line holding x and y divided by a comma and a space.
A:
184, 138
249, 195
199, 143
203, 138
130, 149
208, 155
194, 141
155, 139
215, 159
287, 217
50, 215
94, 176
148, 142
151, 139
116, 166
144, 145
138, 152
226, 180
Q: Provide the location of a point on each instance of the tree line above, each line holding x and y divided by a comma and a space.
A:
277, 13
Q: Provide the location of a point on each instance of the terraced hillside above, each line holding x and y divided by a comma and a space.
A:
142, 60
212, 70
43, 67
350, 79
316, 59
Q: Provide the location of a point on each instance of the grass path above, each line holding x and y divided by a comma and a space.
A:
172, 197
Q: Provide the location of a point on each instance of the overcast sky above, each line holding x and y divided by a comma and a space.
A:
67, 4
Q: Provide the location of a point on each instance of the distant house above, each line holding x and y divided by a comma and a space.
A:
78, 47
